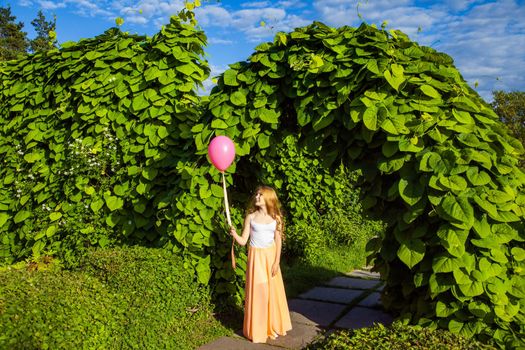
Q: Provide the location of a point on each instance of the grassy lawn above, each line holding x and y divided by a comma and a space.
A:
138, 292
125, 298
299, 276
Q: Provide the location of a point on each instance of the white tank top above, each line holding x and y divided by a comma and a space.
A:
262, 235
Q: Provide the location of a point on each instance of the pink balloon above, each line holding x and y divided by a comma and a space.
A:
221, 152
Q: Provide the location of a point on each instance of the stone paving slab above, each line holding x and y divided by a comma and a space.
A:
373, 300
359, 317
299, 318
315, 312
230, 343
300, 336
334, 295
353, 283
364, 274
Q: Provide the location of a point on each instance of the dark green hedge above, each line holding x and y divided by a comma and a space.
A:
438, 166
91, 138
396, 337
122, 298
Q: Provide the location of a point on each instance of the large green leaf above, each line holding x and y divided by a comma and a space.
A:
238, 99
455, 183
370, 118
203, 269
410, 191
113, 202
230, 77
478, 178
430, 91
396, 77
268, 115
21, 216
453, 239
458, 209
411, 252
96, 205
3, 218
444, 263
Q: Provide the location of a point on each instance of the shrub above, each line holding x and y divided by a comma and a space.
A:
396, 337
437, 165
91, 136
122, 298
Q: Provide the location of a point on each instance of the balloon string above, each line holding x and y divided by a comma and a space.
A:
226, 205
233, 256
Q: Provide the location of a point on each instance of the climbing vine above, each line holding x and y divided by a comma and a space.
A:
90, 137
105, 141
437, 165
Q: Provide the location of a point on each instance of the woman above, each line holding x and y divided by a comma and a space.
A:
265, 309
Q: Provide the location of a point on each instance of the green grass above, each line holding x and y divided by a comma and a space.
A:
396, 337
300, 275
123, 298
133, 297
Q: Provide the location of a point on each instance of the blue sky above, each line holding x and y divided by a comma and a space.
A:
485, 38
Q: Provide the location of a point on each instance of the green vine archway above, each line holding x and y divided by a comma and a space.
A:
437, 165
112, 134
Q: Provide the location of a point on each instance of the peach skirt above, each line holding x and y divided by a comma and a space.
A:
265, 309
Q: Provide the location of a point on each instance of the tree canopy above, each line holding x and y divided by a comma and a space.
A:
510, 107
46, 38
14, 42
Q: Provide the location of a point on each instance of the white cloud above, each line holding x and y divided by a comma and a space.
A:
86, 8
248, 21
220, 41
213, 16
485, 39
296, 4
257, 4
147, 11
51, 5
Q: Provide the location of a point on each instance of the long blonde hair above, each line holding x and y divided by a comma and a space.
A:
273, 206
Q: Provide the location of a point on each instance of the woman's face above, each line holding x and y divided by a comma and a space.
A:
259, 200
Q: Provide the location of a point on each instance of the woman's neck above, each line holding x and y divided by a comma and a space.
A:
262, 211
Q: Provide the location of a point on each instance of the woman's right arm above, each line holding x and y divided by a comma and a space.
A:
242, 240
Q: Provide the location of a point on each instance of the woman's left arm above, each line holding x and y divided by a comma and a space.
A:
278, 245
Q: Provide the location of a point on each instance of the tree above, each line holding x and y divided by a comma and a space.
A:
13, 40
45, 39
510, 107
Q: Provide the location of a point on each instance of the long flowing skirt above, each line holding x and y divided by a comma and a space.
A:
266, 311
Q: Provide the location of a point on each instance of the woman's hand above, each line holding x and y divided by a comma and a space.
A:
233, 232
275, 269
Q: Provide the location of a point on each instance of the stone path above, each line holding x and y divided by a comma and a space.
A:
348, 302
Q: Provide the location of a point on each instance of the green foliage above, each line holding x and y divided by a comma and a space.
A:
92, 141
323, 205
326, 263
125, 298
510, 107
46, 36
13, 40
438, 166
396, 337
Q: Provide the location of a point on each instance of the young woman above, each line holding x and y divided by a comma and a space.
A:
265, 309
